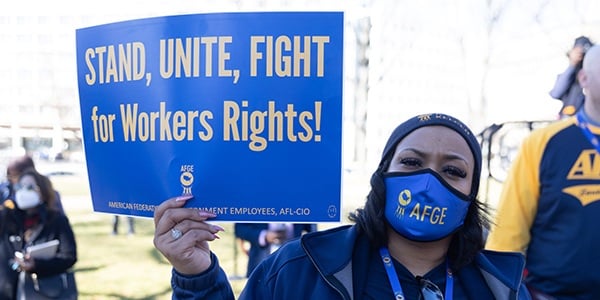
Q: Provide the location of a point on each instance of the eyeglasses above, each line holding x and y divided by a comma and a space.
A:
430, 291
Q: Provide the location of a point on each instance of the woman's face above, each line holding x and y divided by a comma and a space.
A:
27, 193
27, 182
438, 148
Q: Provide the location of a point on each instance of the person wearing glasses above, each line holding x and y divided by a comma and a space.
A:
420, 234
549, 207
32, 218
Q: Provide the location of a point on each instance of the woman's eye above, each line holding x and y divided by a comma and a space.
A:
410, 162
454, 171
28, 187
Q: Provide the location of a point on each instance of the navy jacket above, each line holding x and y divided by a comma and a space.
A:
54, 225
319, 266
251, 231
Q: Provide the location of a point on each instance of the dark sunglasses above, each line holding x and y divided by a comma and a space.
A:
430, 291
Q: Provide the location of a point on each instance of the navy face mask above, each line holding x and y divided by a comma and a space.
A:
421, 206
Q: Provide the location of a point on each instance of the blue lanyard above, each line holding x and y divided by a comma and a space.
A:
395, 282
583, 125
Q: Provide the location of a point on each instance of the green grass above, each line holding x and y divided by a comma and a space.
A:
128, 267
122, 266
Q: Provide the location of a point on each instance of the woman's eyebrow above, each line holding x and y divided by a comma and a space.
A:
414, 150
454, 156
423, 153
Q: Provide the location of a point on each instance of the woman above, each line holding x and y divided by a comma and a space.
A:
419, 235
31, 218
13, 173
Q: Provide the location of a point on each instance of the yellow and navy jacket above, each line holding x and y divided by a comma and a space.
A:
549, 210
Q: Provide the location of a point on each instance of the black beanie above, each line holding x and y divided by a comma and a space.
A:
432, 120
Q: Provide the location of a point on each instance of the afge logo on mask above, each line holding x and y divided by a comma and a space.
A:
434, 215
421, 208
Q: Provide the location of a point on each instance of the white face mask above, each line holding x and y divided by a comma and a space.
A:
26, 199
26, 196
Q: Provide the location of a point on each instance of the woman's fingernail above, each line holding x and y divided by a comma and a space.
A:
217, 237
206, 214
184, 197
218, 228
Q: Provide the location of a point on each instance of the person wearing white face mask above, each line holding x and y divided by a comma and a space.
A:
31, 218
13, 173
27, 195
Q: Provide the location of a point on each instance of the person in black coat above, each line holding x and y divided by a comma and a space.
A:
32, 218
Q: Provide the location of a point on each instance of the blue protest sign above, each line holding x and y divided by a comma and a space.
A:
242, 110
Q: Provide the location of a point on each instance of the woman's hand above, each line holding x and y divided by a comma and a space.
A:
182, 235
24, 262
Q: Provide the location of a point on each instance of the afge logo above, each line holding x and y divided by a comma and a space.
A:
187, 179
403, 200
419, 211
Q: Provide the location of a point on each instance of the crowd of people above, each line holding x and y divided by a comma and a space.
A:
422, 233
